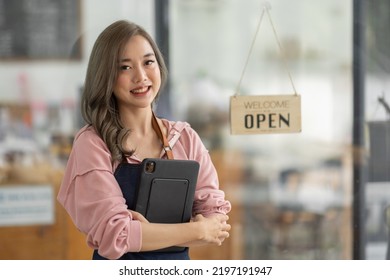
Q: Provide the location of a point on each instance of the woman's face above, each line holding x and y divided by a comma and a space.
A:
139, 78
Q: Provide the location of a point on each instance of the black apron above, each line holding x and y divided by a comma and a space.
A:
127, 175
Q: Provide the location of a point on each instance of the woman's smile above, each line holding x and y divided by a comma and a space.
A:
140, 91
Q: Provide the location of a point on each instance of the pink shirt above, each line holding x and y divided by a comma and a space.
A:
91, 195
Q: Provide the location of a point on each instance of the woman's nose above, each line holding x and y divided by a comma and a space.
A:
139, 75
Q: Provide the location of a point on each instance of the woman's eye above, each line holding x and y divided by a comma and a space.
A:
125, 67
149, 62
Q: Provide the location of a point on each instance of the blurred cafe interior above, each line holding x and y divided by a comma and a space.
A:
322, 193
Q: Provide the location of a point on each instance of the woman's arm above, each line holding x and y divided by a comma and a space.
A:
209, 199
201, 231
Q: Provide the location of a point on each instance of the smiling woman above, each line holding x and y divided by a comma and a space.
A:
124, 77
113, 66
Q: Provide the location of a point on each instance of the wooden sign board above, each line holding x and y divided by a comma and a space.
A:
265, 114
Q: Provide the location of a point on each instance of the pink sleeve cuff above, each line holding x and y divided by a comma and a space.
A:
209, 202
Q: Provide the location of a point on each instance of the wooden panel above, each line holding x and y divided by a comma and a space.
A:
77, 248
60, 240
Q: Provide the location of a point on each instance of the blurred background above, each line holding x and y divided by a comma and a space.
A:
323, 193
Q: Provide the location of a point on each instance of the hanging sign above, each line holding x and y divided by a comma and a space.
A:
265, 114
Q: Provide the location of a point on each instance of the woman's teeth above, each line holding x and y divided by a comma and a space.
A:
140, 90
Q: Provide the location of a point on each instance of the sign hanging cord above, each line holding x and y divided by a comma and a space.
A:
250, 52
265, 9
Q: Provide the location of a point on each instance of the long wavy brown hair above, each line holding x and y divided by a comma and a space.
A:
98, 103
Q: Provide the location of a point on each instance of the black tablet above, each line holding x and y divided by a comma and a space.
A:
166, 190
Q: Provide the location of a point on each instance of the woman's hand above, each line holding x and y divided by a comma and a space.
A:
213, 230
138, 216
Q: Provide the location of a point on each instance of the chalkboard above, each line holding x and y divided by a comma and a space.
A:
40, 29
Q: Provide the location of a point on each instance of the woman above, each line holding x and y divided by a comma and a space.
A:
125, 73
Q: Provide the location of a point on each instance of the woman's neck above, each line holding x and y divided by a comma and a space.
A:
139, 121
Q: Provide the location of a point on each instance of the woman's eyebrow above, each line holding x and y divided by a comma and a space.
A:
145, 56
149, 55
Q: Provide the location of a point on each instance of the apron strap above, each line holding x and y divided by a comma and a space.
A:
163, 138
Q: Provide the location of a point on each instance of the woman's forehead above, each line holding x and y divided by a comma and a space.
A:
137, 47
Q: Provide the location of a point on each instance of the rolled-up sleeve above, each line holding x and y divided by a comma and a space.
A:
209, 198
91, 195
